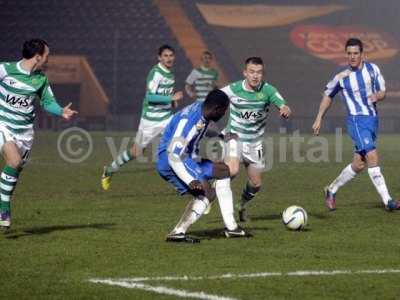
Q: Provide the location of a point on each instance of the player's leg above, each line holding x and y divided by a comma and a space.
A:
196, 207
253, 186
223, 190
147, 131
9, 178
232, 160
193, 211
347, 174
354, 129
374, 172
253, 157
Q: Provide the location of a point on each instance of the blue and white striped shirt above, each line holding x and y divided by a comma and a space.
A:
356, 86
181, 140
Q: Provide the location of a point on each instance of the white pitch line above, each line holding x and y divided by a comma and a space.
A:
162, 290
253, 275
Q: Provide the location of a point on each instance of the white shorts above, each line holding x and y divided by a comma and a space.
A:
248, 153
148, 130
23, 141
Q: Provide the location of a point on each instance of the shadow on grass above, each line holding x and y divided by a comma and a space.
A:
218, 233
322, 216
15, 234
265, 217
209, 234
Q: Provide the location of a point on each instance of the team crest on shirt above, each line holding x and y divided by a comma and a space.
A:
200, 125
260, 96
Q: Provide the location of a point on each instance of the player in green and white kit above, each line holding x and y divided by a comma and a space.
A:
203, 79
21, 83
250, 99
159, 100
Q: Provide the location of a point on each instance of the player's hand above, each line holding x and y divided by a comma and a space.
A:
373, 98
230, 136
196, 186
285, 111
177, 96
316, 126
68, 113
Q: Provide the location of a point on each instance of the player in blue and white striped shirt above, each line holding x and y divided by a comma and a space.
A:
179, 164
362, 86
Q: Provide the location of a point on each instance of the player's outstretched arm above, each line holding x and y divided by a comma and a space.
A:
323, 108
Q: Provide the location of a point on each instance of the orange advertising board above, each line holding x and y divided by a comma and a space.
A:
327, 42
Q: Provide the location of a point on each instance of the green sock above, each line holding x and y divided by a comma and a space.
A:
122, 159
8, 181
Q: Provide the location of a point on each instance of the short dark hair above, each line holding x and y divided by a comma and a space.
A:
32, 47
354, 42
165, 47
216, 98
254, 60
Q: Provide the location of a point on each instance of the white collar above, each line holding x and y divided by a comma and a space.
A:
164, 68
22, 70
248, 90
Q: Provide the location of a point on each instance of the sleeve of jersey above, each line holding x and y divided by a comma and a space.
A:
379, 82
191, 78
277, 99
183, 134
333, 87
153, 81
48, 101
3, 71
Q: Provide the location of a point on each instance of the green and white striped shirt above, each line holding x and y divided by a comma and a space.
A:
248, 109
18, 91
203, 80
160, 81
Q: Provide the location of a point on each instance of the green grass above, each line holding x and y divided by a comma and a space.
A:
66, 231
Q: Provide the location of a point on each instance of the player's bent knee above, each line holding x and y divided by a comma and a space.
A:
233, 165
256, 184
358, 166
15, 163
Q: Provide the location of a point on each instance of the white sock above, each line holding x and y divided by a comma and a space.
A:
344, 177
194, 210
379, 181
225, 200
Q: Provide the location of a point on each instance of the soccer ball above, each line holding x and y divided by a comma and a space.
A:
294, 217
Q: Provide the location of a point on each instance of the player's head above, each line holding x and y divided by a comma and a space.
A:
215, 105
36, 50
166, 56
354, 52
206, 59
254, 71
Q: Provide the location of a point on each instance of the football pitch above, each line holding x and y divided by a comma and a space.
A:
71, 240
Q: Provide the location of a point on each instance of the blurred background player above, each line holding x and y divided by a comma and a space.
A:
362, 86
159, 100
179, 164
20, 84
249, 102
203, 79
